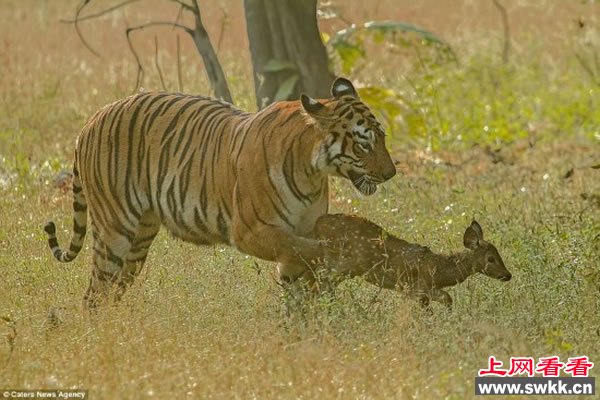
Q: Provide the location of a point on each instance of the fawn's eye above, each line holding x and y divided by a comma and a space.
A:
491, 259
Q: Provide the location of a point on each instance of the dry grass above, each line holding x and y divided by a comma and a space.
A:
208, 322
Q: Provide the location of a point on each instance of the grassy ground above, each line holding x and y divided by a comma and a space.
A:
510, 145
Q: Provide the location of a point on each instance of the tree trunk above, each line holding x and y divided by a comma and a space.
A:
284, 34
261, 50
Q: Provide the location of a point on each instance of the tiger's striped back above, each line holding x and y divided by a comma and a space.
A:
163, 152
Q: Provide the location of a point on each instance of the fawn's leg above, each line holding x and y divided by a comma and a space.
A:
425, 301
290, 273
442, 297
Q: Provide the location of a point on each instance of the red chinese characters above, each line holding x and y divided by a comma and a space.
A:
521, 366
578, 366
549, 366
545, 366
492, 364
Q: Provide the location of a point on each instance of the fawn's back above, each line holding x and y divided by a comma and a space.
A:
356, 246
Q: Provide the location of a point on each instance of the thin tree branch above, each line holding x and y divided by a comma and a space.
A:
224, 23
160, 75
109, 10
184, 5
179, 15
98, 14
140, 70
506, 26
179, 77
128, 31
198, 34
159, 23
195, 7
76, 22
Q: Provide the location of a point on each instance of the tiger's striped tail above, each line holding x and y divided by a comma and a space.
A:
79, 225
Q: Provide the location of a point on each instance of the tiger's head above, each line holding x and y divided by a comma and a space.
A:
354, 146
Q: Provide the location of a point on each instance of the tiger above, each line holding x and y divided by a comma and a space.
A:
211, 173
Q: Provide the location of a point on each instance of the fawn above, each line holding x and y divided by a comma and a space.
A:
354, 246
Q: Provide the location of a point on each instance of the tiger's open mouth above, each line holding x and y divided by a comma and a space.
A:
363, 182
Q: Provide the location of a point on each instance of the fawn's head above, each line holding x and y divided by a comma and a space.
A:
485, 256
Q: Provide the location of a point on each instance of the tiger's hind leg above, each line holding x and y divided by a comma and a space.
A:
118, 258
147, 230
108, 261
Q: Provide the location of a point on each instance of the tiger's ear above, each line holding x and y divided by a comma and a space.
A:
311, 106
343, 87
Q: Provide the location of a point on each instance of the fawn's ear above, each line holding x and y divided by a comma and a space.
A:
471, 238
477, 229
342, 87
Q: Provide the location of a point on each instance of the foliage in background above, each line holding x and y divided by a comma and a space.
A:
349, 50
349, 45
435, 100
488, 102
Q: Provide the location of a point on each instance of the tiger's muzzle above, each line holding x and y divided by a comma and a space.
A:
367, 182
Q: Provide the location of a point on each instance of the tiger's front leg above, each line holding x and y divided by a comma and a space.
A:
296, 255
276, 227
